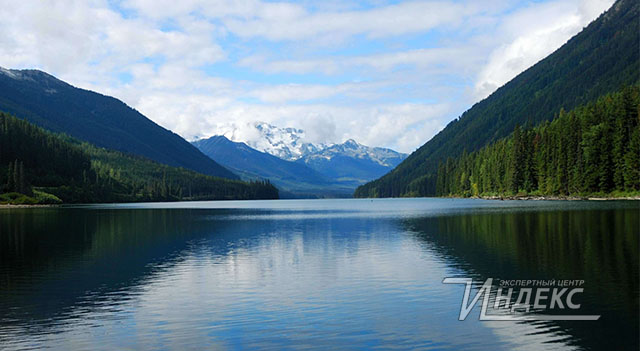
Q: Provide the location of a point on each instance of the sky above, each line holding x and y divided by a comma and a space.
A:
385, 73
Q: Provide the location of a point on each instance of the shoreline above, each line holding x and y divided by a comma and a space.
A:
493, 197
556, 198
2, 206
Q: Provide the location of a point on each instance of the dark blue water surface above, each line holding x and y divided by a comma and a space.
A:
309, 274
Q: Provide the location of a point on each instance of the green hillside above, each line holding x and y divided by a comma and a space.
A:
100, 120
601, 59
593, 149
38, 166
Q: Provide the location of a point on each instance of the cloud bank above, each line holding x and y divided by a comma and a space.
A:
386, 74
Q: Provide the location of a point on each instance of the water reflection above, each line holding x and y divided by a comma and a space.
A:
349, 275
598, 246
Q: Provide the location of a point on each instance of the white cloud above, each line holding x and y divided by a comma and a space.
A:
308, 92
390, 75
401, 126
443, 59
68, 37
320, 128
532, 34
292, 23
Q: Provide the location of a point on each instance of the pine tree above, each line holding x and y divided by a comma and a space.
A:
10, 184
16, 176
632, 162
22, 184
516, 170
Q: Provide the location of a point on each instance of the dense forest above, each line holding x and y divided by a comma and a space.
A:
593, 149
599, 60
37, 166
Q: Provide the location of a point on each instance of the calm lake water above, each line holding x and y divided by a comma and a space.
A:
310, 274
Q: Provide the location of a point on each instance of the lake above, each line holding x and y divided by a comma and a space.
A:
311, 274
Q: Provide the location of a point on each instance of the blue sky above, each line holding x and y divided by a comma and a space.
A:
385, 73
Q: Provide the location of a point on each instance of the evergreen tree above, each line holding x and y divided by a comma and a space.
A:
632, 162
10, 180
22, 183
16, 177
516, 169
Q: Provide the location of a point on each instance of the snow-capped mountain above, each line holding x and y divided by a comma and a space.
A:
290, 144
286, 143
350, 148
353, 162
344, 166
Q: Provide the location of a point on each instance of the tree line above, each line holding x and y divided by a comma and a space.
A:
593, 149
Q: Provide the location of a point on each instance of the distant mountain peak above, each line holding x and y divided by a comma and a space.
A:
351, 148
286, 143
291, 144
35, 76
7, 72
16, 74
351, 143
22, 73
267, 127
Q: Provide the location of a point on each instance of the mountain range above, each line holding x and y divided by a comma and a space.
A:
351, 161
102, 120
299, 168
601, 59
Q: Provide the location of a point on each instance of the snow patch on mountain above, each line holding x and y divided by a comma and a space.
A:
291, 144
351, 148
286, 143
13, 73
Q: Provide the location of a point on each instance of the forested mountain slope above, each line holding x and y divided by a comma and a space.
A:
38, 166
593, 149
600, 59
101, 120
